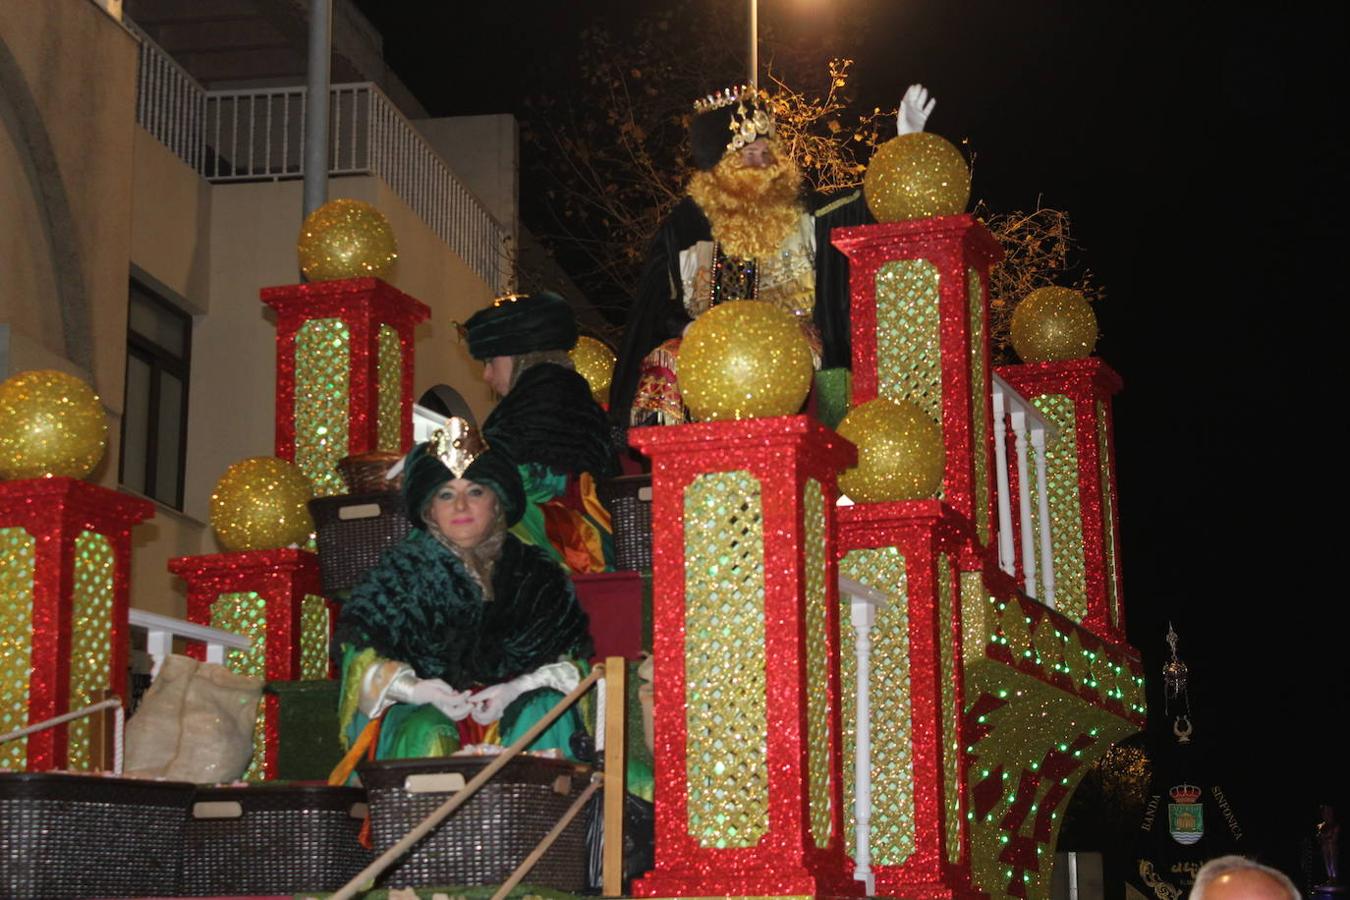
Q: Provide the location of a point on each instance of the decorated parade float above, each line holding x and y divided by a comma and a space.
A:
885, 649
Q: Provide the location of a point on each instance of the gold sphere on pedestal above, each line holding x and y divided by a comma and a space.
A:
1053, 323
915, 176
900, 452
346, 239
594, 362
260, 503
51, 424
744, 360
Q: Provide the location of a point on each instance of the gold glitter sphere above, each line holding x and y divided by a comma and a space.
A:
346, 239
915, 176
900, 453
595, 363
51, 424
260, 503
1053, 323
744, 360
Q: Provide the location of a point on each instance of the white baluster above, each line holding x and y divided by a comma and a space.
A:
1005, 530
863, 603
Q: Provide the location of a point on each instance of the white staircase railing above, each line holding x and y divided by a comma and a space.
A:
160, 632
1031, 537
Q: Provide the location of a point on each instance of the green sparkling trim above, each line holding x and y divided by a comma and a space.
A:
1108, 515
17, 566
817, 665
1066, 518
390, 378
313, 638
909, 348
726, 712
951, 749
322, 374
90, 644
246, 613
892, 837
980, 400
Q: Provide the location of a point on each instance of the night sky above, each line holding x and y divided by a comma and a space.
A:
1195, 153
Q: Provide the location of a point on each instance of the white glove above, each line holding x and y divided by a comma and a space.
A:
423, 691
491, 702
914, 110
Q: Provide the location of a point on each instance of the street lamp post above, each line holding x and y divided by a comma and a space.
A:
754, 45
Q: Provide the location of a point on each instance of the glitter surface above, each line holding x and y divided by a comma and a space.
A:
951, 715
51, 423
1066, 518
245, 613
314, 631
980, 393
261, 503
900, 452
390, 377
1053, 323
744, 359
817, 664
892, 832
908, 338
91, 599
322, 366
346, 238
916, 176
1105, 468
594, 361
17, 547
726, 716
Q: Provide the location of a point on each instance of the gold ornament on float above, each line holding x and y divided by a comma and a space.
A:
594, 362
51, 424
260, 503
915, 176
900, 452
346, 239
744, 359
1053, 323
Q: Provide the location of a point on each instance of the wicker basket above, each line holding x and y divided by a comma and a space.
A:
273, 839
352, 533
90, 836
629, 498
364, 473
485, 839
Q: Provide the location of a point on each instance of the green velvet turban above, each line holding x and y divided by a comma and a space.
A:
423, 474
522, 323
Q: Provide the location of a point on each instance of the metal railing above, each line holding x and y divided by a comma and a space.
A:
1030, 535
259, 135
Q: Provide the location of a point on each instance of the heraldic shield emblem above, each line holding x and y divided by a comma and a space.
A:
1185, 814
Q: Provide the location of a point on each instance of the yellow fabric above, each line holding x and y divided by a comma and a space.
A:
352, 673
368, 738
591, 500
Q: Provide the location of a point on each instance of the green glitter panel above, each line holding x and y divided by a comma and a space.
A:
980, 397
322, 370
817, 665
246, 613
313, 638
892, 836
1066, 520
90, 645
1108, 515
909, 358
726, 712
951, 749
1037, 577
390, 369
17, 547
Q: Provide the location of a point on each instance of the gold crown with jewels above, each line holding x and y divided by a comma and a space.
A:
750, 120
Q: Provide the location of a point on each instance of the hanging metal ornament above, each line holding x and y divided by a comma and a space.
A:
1175, 675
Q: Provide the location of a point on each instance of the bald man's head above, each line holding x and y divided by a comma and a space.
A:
1238, 878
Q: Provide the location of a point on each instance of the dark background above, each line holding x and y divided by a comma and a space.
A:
1195, 151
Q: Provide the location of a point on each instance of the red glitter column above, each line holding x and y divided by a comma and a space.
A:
919, 332
280, 579
363, 305
930, 539
55, 512
745, 621
1075, 395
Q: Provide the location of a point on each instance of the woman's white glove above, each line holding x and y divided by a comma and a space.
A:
914, 110
491, 702
454, 704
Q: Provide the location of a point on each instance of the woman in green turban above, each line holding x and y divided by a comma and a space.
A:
462, 634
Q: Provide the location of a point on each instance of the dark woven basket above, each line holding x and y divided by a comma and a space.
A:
90, 836
629, 499
485, 839
273, 839
353, 531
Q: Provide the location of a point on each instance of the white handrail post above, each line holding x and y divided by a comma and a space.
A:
863, 603
1005, 532
1043, 511
1019, 424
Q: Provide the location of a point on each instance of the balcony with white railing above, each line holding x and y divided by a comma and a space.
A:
258, 134
1024, 544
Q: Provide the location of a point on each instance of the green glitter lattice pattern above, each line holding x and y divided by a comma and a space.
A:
1108, 515
892, 838
246, 613
390, 369
90, 646
322, 368
1066, 519
726, 714
313, 638
817, 665
979, 389
17, 547
909, 358
951, 749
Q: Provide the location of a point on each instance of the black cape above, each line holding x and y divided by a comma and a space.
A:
550, 417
